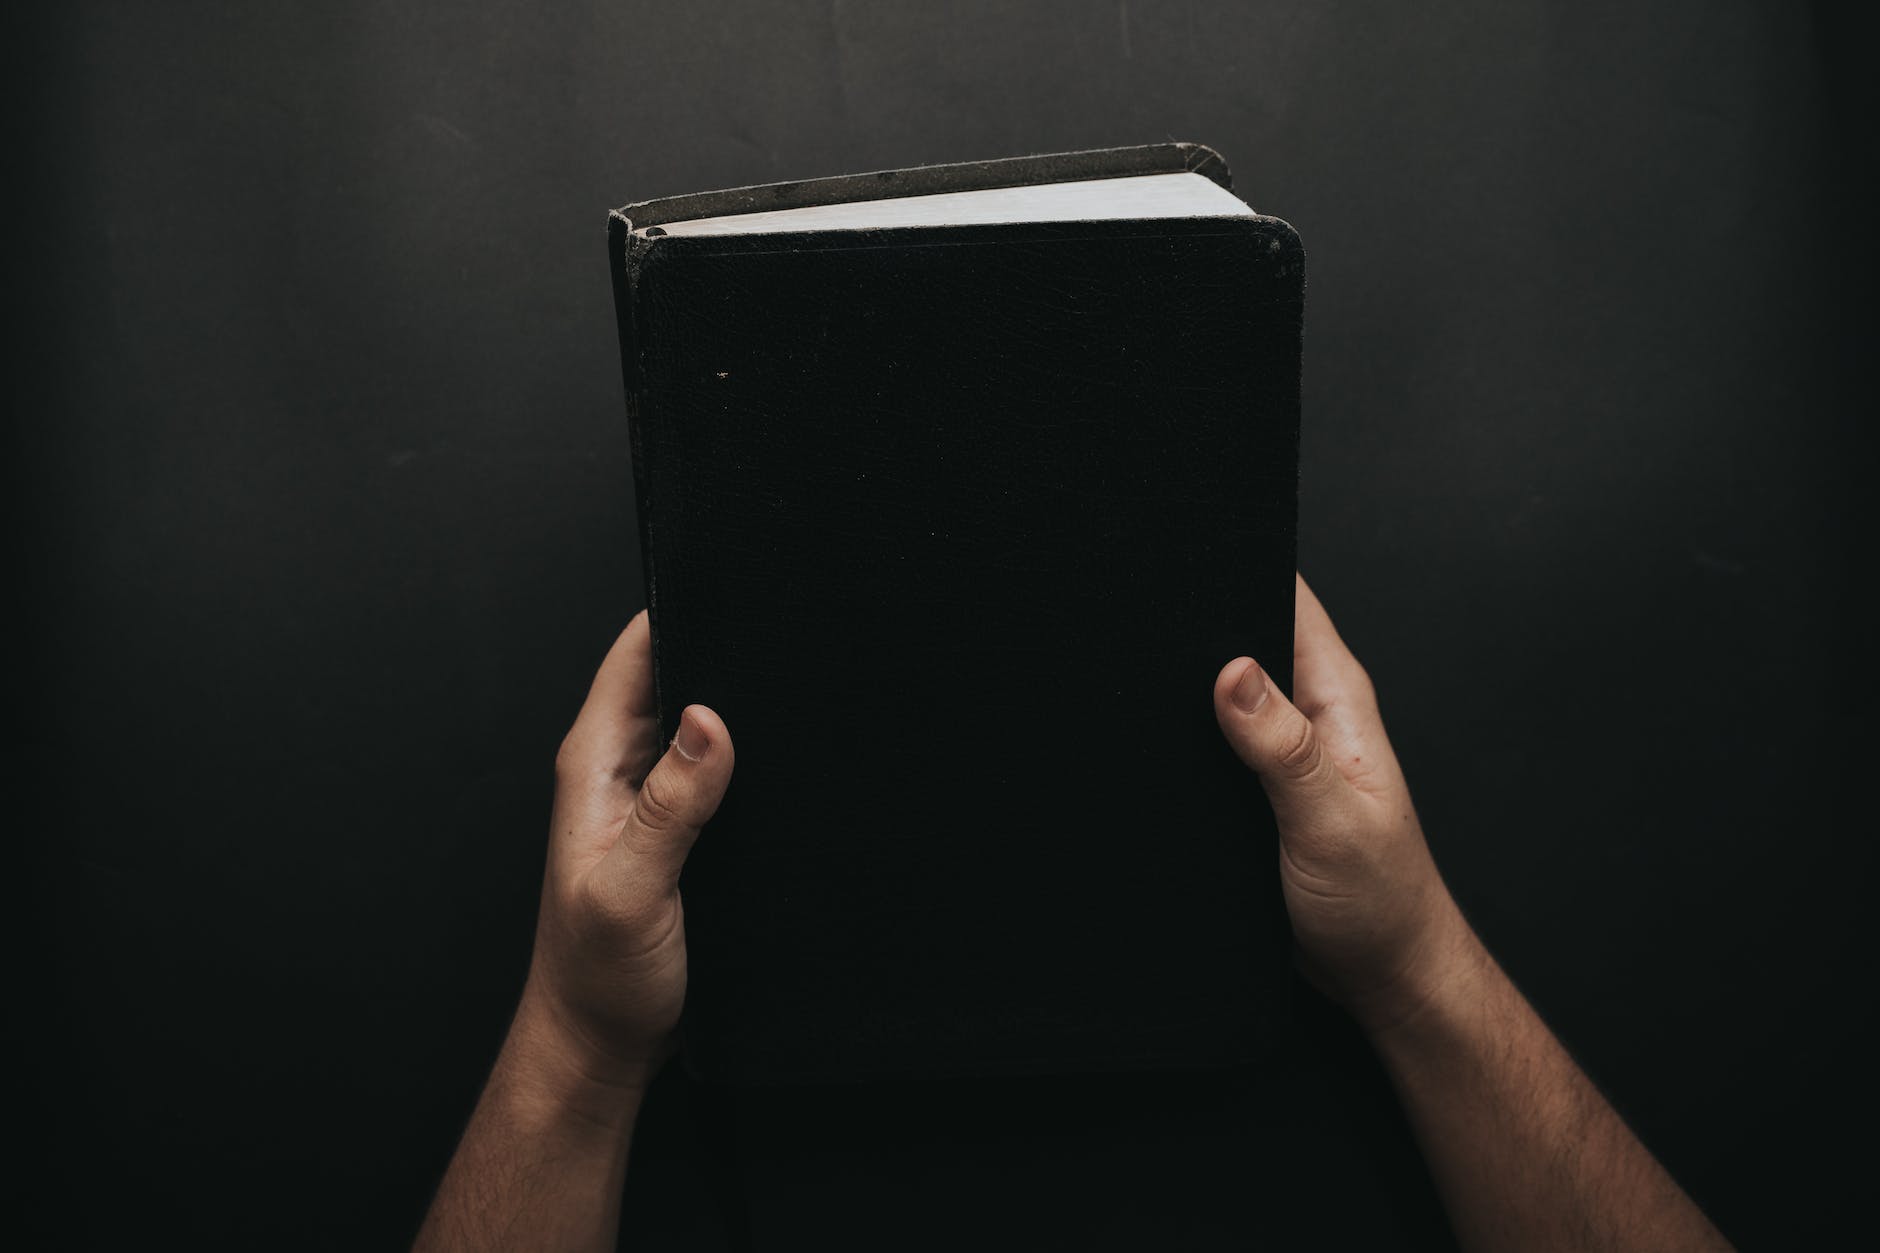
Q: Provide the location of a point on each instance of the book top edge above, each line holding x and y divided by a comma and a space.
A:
923, 180
1136, 196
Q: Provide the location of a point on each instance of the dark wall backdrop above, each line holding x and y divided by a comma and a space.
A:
322, 479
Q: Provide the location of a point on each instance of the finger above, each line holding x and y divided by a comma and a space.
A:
616, 735
1272, 736
680, 795
1325, 673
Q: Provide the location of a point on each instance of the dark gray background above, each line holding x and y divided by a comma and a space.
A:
322, 483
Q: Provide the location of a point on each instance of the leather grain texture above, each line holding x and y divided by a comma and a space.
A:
955, 527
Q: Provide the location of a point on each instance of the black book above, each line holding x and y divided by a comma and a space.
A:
957, 486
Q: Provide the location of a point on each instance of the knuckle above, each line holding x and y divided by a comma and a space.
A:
1296, 748
606, 904
591, 901
623, 910
658, 806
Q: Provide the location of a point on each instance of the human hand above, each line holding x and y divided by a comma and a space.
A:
608, 976
1377, 929
546, 1148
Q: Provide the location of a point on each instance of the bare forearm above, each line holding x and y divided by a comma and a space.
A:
1525, 1151
542, 1162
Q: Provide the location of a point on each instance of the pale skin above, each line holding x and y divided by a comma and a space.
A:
1525, 1151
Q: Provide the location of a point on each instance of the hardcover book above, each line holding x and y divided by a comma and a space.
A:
957, 486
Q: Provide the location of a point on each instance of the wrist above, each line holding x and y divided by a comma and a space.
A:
553, 1065
1443, 966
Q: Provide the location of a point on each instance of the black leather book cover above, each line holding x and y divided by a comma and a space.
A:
955, 526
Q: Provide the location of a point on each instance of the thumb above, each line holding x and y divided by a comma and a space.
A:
679, 796
1268, 732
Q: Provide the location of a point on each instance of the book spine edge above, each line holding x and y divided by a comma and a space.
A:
623, 260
